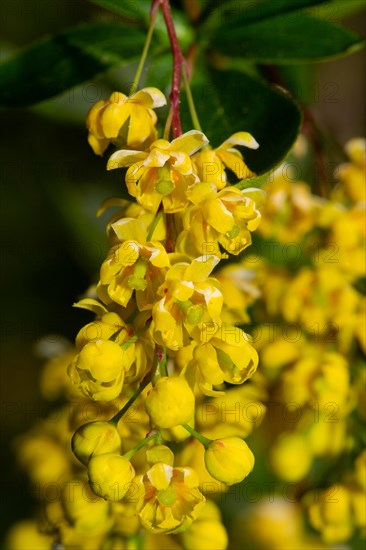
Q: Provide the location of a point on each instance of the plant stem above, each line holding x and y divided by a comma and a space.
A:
140, 445
178, 60
162, 360
201, 438
141, 64
133, 398
191, 105
154, 225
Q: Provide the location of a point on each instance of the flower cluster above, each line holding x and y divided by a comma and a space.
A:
163, 346
310, 336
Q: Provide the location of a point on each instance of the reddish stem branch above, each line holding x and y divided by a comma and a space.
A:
178, 61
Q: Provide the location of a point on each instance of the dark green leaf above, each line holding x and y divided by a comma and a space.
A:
284, 39
231, 101
334, 10
67, 59
137, 10
232, 12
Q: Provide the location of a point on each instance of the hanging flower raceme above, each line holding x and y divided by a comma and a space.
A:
163, 173
211, 164
124, 121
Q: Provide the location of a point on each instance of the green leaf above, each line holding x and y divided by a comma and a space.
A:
67, 59
284, 39
232, 12
231, 101
334, 10
137, 10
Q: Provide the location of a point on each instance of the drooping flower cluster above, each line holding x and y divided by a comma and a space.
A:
162, 347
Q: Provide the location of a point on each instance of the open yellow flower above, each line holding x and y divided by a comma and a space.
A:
170, 499
163, 173
210, 164
125, 121
132, 266
226, 217
190, 300
224, 356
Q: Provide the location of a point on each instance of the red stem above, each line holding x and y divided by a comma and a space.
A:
178, 61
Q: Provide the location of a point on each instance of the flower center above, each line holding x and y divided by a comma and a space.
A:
164, 185
167, 496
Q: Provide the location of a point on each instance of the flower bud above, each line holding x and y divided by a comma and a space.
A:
229, 460
170, 402
103, 359
110, 476
99, 369
95, 438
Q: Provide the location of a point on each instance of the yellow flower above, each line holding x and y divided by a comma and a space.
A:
25, 534
133, 266
330, 513
95, 438
88, 514
44, 458
237, 413
272, 523
226, 357
210, 163
191, 300
110, 476
126, 522
290, 210
170, 499
318, 377
291, 457
239, 291
347, 241
163, 173
171, 402
110, 324
207, 532
226, 217
229, 460
124, 121
352, 175
99, 369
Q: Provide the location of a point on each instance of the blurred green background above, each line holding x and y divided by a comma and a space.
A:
52, 185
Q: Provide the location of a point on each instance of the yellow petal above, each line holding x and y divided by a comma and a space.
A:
235, 163
160, 475
124, 157
113, 118
206, 358
93, 119
201, 268
189, 143
140, 126
98, 145
240, 138
128, 229
150, 98
218, 216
